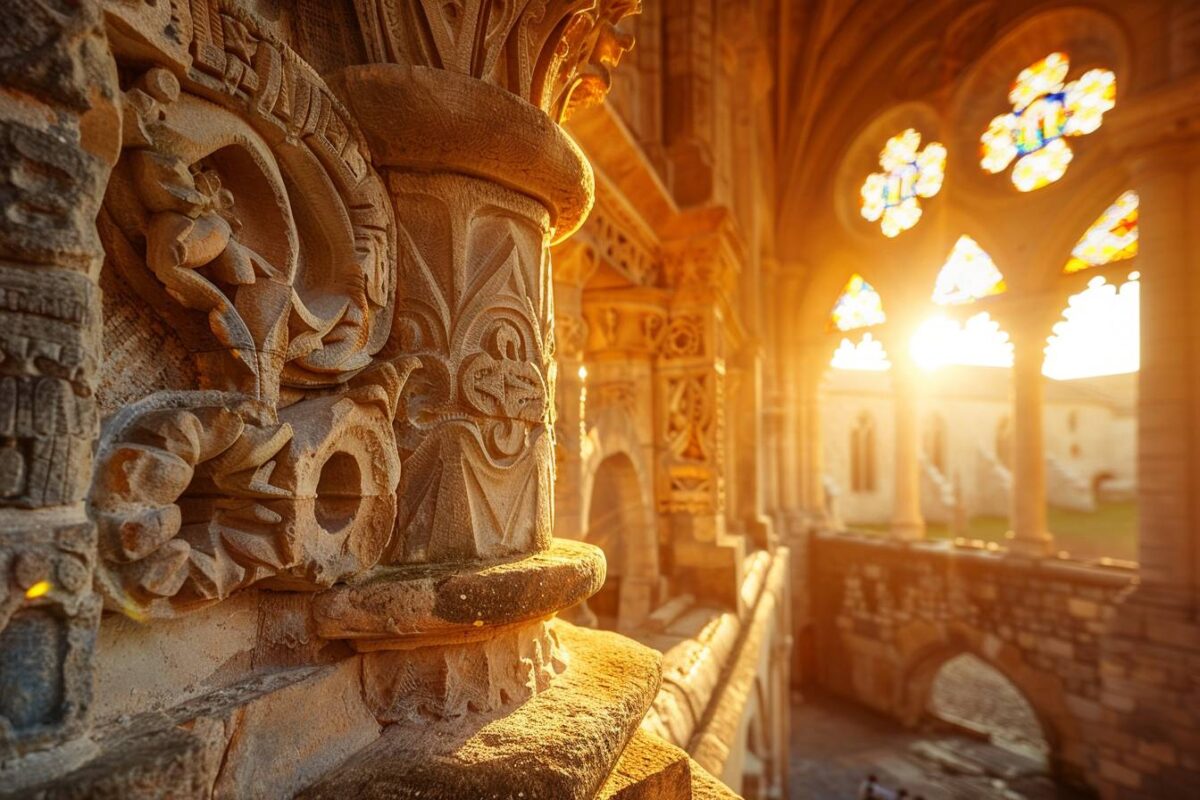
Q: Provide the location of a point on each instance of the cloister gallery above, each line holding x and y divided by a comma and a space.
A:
568, 398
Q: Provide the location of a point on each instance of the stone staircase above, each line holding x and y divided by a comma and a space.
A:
937, 493
1065, 488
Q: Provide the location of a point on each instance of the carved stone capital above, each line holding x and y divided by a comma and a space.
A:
423, 119
553, 54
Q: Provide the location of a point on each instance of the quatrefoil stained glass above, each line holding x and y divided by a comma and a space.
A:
1046, 111
908, 173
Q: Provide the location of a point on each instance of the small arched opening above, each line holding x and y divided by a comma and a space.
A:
618, 523
972, 695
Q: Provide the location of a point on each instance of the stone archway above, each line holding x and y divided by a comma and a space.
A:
1040, 690
618, 522
968, 692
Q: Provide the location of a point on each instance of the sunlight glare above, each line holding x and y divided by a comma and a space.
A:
865, 356
1098, 334
942, 342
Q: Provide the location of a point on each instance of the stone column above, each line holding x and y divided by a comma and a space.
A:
1030, 533
454, 626
1149, 652
1168, 394
907, 522
692, 390
570, 334
59, 134
812, 444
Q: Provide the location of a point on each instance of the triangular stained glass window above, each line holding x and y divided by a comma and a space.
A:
1112, 237
858, 306
967, 275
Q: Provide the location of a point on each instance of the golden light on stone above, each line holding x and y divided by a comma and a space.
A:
37, 590
892, 196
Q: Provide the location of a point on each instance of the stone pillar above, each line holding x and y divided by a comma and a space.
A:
1151, 648
59, 134
1168, 395
691, 391
689, 124
907, 522
1030, 534
748, 462
570, 334
812, 444
453, 625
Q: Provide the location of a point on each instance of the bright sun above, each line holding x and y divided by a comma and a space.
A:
1098, 335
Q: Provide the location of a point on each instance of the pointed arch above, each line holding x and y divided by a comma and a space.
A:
1112, 237
858, 306
967, 275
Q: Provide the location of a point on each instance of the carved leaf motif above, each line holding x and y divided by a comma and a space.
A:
540, 50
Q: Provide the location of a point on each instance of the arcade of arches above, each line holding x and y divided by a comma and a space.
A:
536, 398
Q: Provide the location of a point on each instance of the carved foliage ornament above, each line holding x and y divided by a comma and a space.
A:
244, 209
556, 54
198, 494
475, 421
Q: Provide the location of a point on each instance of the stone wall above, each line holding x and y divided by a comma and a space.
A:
888, 614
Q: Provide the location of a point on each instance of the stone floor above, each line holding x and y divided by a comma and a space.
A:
836, 745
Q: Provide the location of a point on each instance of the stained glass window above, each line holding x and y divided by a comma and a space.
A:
858, 306
967, 275
865, 355
891, 196
1045, 110
1112, 237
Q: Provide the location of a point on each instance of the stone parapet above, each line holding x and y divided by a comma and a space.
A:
888, 615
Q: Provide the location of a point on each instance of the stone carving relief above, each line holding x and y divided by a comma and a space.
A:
226, 190
244, 210
475, 422
623, 323
56, 149
198, 494
622, 245
622, 394
692, 386
570, 336
555, 54
692, 437
684, 336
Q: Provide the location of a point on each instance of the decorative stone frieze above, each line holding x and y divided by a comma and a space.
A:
58, 116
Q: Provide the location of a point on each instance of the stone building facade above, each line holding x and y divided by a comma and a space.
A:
966, 443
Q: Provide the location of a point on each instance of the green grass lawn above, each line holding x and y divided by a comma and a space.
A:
1110, 530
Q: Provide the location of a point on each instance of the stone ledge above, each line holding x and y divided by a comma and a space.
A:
560, 745
649, 769
264, 737
415, 606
